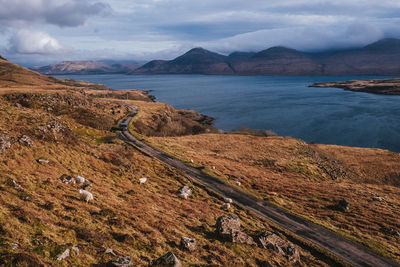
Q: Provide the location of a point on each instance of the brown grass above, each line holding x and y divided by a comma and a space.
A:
298, 177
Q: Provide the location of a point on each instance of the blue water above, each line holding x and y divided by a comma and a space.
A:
282, 104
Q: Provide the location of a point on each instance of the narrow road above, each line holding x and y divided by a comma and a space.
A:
344, 248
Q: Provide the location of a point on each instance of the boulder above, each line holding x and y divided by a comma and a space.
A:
188, 243
377, 198
272, 241
343, 205
226, 206
185, 192
25, 140
120, 262
5, 141
228, 227
228, 200
64, 255
168, 259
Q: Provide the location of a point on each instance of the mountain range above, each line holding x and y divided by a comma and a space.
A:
379, 58
86, 67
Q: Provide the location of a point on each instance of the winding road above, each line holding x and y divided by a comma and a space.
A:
344, 248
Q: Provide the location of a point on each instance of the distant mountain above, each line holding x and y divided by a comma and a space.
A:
85, 67
379, 58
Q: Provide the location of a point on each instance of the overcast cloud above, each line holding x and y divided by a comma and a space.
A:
44, 31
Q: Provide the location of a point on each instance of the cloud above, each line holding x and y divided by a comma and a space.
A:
72, 13
35, 42
306, 38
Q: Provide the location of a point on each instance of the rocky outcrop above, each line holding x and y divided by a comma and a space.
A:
379, 86
120, 262
228, 228
272, 241
168, 259
188, 243
6, 141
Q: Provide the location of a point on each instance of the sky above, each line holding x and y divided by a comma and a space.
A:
39, 32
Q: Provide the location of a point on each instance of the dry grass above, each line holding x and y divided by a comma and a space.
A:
144, 221
298, 177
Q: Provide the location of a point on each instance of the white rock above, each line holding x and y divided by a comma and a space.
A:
43, 161
226, 206
378, 198
80, 180
191, 161
228, 200
64, 255
14, 246
238, 183
110, 251
184, 195
17, 185
143, 180
213, 167
76, 250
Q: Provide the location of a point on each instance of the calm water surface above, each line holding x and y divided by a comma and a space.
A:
282, 104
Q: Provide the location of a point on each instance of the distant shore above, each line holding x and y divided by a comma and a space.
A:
377, 86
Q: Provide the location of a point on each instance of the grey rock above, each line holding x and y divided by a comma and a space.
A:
110, 251
188, 243
25, 140
5, 141
269, 240
64, 255
378, 198
120, 262
168, 259
185, 192
228, 227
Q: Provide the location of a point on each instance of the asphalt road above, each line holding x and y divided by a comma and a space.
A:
344, 248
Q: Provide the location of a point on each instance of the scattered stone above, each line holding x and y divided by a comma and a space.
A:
272, 241
188, 243
185, 192
143, 180
18, 105
228, 200
212, 167
110, 251
16, 185
26, 140
14, 246
120, 262
168, 259
43, 161
5, 141
64, 255
66, 179
226, 206
191, 161
238, 183
378, 198
80, 180
228, 227
343, 205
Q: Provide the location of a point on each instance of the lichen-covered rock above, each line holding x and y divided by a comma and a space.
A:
25, 140
5, 141
272, 241
185, 192
120, 262
168, 259
226, 224
228, 227
188, 243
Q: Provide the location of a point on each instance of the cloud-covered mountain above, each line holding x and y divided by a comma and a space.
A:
85, 67
379, 58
